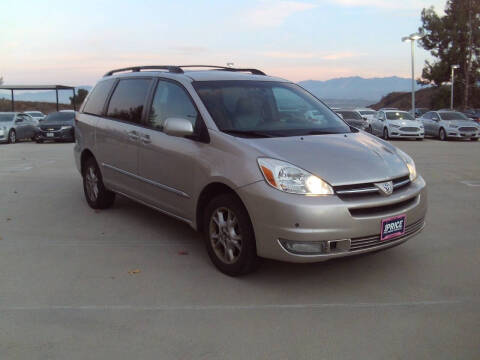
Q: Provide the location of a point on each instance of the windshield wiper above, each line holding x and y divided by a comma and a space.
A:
319, 132
252, 133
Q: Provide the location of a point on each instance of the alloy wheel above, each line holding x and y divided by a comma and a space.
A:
91, 179
13, 137
224, 234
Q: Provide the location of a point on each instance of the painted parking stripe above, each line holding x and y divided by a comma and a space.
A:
473, 183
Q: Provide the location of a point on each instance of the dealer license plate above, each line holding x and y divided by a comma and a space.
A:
392, 227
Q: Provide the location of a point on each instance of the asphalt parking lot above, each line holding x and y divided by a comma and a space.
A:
131, 283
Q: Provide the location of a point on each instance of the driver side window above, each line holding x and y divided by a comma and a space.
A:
170, 100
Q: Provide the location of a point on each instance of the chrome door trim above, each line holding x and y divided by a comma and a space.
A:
151, 182
189, 222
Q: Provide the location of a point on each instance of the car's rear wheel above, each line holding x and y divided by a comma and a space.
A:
442, 134
97, 195
12, 137
385, 134
229, 236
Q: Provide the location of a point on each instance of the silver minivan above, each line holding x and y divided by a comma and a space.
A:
238, 156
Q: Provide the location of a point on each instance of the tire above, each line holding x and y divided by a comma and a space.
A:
385, 134
231, 248
442, 135
419, 139
39, 141
12, 137
96, 194
370, 130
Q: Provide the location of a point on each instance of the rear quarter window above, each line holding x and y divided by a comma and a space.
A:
96, 100
128, 100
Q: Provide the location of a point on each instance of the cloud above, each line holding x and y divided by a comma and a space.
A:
273, 13
393, 4
310, 55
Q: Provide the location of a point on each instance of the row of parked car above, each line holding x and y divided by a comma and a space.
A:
34, 125
389, 123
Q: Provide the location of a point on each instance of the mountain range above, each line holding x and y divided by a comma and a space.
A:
346, 91
356, 88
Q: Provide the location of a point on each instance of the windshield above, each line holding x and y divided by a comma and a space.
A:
34, 113
350, 115
367, 112
399, 115
452, 115
267, 108
60, 116
6, 117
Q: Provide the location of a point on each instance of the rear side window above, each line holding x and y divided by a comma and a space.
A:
128, 100
170, 100
96, 100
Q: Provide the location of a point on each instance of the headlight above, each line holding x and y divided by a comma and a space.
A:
395, 126
410, 164
291, 179
65, 127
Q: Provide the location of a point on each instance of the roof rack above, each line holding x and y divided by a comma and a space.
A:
178, 69
170, 68
225, 68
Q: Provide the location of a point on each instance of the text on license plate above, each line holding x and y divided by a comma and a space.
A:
392, 227
50, 134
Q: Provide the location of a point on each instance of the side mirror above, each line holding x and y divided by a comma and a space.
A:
18, 121
364, 117
435, 119
178, 127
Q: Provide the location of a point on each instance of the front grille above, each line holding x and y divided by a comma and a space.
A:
374, 240
354, 190
415, 129
50, 127
466, 128
382, 209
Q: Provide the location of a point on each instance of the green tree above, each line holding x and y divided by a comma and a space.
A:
453, 38
79, 97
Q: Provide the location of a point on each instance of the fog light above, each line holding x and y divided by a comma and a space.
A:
305, 247
315, 247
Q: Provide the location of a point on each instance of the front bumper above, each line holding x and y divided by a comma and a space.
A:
66, 135
278, 216
395, 133
453, 133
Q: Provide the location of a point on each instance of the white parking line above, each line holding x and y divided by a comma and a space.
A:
473, 183
220, 307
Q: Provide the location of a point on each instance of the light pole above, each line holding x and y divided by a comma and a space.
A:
411, 38
453, 67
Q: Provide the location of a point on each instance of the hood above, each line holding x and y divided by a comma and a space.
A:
461, 123
339, 159
409, 123
57, 123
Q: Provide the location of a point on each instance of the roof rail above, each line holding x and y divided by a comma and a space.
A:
170, 68
225, 68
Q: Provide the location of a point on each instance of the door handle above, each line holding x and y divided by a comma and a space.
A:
132, 135
145, 138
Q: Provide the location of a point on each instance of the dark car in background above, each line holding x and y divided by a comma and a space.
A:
353, 118
57, 126
473, 114
419, 112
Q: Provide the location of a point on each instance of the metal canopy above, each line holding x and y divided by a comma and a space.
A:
12, 88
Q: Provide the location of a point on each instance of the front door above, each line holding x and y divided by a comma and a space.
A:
167, 163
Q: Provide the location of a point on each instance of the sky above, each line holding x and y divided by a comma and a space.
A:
76, 42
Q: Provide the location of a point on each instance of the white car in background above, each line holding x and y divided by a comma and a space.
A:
397, 124
369, 115
36, 115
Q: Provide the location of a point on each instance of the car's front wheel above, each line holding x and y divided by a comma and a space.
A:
97, 195
442, 135
229, 236
12, 137
385, 134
